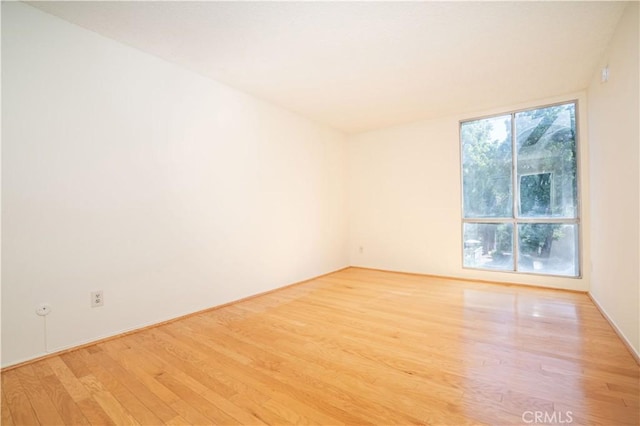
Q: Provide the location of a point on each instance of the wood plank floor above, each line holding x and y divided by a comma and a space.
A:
354, 347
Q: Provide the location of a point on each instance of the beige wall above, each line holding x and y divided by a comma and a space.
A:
404, 192
615, 188
166, 190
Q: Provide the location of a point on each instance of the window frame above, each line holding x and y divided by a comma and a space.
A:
514, 220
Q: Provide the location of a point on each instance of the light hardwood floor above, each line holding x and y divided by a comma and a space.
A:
354, 347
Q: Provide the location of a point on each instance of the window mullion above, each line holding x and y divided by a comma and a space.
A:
515, 191
550, 220
488, 220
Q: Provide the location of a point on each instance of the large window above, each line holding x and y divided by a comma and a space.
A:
520, 192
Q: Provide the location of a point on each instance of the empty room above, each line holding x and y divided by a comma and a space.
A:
322, 213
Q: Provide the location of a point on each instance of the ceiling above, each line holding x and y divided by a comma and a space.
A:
357, 66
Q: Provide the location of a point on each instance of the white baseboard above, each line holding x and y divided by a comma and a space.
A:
627, 343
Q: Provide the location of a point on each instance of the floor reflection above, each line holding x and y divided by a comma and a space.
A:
530, 364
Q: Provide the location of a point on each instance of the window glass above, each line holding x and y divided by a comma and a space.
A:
486, 167
488, 245
548, 248
546, 146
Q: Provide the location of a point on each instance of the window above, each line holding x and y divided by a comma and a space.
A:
520, 192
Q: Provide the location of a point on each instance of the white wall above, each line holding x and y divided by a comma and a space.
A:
405, 199
615, 188
168, 191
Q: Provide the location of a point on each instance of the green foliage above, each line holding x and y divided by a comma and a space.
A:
536, 238
504, 239
535, 194
486, 171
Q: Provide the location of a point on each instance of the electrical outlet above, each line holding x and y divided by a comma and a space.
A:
97, 298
